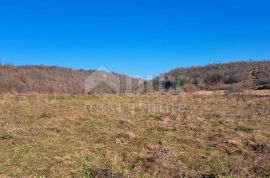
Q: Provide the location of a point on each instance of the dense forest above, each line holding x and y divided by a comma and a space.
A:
43, 79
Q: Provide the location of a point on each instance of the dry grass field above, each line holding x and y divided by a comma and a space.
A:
188, 135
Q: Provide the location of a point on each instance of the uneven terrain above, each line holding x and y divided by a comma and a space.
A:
188, 135
235, 76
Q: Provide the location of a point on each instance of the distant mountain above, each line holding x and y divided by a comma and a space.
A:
230, 76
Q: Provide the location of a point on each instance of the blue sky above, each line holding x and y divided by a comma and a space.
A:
134, 37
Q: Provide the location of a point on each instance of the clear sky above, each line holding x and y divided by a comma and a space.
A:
135, 37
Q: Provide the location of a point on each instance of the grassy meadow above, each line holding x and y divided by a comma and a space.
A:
187, 135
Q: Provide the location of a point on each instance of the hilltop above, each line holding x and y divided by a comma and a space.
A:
229, 76
46, 79
52, 79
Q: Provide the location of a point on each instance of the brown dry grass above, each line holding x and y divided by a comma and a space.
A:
189, 135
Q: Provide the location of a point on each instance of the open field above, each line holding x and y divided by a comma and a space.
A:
188, 135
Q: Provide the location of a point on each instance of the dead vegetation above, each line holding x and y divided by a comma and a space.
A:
231, 76
189, 135
45, 79
42, 79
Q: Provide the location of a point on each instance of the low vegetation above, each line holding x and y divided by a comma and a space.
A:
189, 135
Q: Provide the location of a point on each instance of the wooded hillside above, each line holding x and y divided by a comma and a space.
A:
43, 79
232, 76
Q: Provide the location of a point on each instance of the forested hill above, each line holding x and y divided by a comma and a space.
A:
230, 76
44, 79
